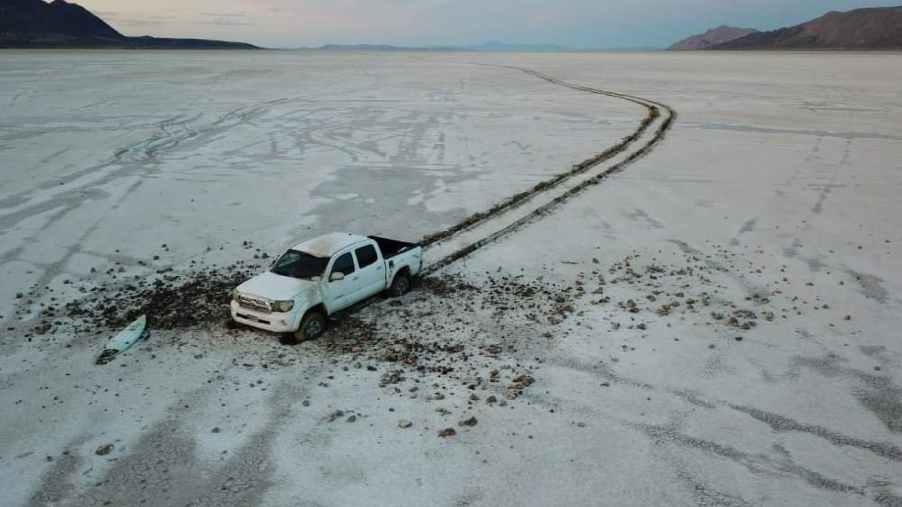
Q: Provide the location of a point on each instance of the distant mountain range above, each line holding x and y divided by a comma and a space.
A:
529, 48
869, 28
380, 47
59, 24
712, 37
488, 46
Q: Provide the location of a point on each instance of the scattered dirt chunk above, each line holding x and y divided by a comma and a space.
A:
518, 385
492, 349
391, 378
447, 433
445, 285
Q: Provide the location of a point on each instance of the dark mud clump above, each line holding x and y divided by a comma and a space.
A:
170, 300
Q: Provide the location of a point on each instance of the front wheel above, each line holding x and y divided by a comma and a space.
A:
400, 285
313, 325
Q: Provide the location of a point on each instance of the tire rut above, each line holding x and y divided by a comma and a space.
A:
654, 112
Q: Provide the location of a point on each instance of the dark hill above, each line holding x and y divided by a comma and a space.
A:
871, 28
40, 18
59, 24
712, 37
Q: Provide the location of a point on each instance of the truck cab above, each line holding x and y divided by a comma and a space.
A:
322, 276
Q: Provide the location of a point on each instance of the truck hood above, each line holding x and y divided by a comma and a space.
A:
275, 287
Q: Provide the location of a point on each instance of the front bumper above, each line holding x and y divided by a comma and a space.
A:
274, 322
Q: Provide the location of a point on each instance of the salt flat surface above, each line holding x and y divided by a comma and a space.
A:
781, 176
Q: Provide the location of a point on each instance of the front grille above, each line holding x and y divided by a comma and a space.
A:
253, 319
252, 303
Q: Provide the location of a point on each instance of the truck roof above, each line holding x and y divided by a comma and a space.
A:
329, 244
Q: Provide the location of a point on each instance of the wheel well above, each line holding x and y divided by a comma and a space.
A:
321, 308
405, 271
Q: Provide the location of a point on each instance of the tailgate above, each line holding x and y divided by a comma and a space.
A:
412, 258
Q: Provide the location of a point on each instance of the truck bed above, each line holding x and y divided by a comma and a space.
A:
392, 247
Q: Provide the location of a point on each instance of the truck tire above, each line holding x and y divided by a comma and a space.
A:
400, 285
313, 325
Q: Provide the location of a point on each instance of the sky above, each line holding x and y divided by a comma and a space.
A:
604, 24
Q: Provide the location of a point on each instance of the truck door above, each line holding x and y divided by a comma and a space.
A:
339, 292
371, 271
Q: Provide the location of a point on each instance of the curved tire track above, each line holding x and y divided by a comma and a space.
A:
518, 199
654, 113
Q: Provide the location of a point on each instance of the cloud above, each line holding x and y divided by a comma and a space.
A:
119, 18
226, 19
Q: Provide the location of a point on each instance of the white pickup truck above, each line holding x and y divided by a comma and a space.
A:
322, 276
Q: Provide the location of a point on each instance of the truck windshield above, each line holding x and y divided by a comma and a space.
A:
300, 265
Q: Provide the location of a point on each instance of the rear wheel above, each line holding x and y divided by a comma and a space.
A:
313, 325
400, 285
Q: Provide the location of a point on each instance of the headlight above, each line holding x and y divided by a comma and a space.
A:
283, 306
235, 294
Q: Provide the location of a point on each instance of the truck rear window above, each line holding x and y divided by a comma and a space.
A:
300, 265
366, 256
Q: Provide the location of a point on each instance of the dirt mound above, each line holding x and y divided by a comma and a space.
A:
171, 300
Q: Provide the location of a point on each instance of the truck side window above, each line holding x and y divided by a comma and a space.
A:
344, 264
366, 256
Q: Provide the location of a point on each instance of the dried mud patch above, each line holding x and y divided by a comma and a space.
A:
721, 288
453, 335
171, 300
478, 338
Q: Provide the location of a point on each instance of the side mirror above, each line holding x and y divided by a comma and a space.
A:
337, 276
